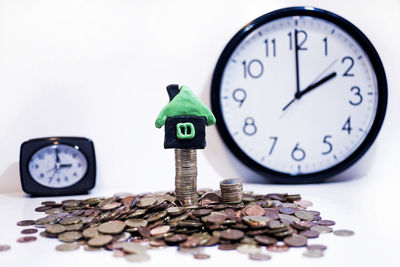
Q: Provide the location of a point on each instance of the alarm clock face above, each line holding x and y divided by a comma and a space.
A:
58, 166
299, 94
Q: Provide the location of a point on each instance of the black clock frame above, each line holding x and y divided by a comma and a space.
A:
30, 186
362, 41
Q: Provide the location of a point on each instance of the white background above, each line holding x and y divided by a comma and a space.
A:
99, 69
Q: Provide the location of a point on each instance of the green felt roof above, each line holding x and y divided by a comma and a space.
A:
185, 103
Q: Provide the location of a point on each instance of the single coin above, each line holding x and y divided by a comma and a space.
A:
322, 229
259, 257
309, 233
248, 249
177, 238
174, 211
232, 234
201, 212
137, 257
90, 232
146, 202
67, 247
48, 203
287, 210
42, 208
200, 256
136, 222
26, 223
254, 210
74, 227
157, 243
278, 247
160, 230
227, 246
29, 231
70, 220
313, 253
326, 222
304, 215
265, 240
288, 218
212, 241
112, 227
55, 228
316, 246
216, 219
303, 225
90, 248
26, 239
343, 232
111, 206
135, 248
100, 240
295, 241
4, 247
69, 237
303, 203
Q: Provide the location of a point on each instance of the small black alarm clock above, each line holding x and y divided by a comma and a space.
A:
57, 166
299, 94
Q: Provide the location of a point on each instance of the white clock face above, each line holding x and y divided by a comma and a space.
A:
298, 120
58, 166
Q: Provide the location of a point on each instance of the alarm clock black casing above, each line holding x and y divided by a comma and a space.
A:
362, 41
33, 188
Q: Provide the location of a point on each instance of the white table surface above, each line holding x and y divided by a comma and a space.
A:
370, 213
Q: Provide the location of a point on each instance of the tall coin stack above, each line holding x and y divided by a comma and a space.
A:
231, 190
186, 176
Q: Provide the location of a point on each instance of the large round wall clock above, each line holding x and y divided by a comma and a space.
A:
299, 94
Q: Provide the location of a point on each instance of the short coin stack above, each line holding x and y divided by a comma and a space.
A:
131, 225
231, 190
186, 176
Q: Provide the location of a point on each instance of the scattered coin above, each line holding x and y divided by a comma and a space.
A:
313, 253
232, 234
55, 228
278, 247
304, 215
316, 246
259, 257
26, 223
29, 231
4, 247
322, 229
265, 240
26, 239
295, 241
227, 246
343, 232
136, 222
67, 247
100, 240
201, 256
134, 248
70, 236
326, 222
309, 233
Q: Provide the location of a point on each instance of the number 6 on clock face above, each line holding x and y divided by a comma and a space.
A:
300, 94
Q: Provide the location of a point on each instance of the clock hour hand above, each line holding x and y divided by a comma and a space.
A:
296, 54
57, 156
298, 95
65, 165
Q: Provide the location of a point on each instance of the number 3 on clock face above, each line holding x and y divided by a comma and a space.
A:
299, 94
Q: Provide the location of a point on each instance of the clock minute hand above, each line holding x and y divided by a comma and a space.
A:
315, 85
297, 62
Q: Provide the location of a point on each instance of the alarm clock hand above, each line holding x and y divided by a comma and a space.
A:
297, 62
65, 165
315, 85
57, 156
298, 95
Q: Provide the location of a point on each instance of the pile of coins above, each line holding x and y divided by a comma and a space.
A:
186, 176
231, 190
130, 225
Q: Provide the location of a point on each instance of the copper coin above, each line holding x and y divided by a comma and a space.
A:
272, 215
160, 230
227, 246
309, 233
316, 246
42, 208
326, 222
216, 218
201, 212
232, 234
254, 210
29, 231
211, 242
200, 256
303, 225
48, 203
4, 247
26, 223
265, 240
176, 238
144, 231
295, 241
26, 239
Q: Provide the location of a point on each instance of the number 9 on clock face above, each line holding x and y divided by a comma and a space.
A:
300, 94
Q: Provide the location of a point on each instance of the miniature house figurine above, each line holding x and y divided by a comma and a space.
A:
185, 118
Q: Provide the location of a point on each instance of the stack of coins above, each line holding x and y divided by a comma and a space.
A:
231, 190
186, 176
